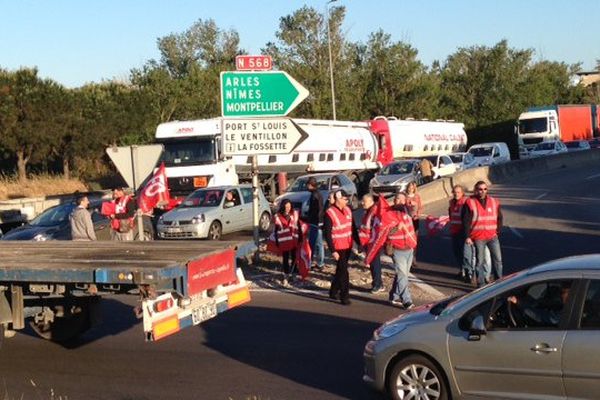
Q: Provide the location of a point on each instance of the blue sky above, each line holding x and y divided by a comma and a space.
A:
74, 42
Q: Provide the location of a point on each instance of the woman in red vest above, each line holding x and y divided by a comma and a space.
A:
463, 253
287, 236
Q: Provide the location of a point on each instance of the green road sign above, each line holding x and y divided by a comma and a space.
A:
259, 94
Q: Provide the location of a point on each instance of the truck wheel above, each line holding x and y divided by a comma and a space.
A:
265, 222
215, 231
416, 377
63, 329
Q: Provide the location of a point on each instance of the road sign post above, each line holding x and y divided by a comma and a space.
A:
259, 94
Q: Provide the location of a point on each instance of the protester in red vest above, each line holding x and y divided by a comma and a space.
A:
366, 234
463, 253
287, 236
403, 240
339, 232
122, 221
482, 222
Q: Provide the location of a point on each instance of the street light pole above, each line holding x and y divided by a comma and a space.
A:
331, 61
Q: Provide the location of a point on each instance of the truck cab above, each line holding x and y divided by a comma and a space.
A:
538, 126
192, 156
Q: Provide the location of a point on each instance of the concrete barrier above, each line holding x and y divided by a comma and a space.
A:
518, 169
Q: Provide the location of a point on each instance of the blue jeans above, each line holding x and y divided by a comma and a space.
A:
315, 238
483, 268
376, 271
463, 253
402, 262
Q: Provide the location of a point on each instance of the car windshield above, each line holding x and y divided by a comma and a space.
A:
188, 152
397, 168
203, 198
544, 146
533, 125
456, 158
481, 151
53, 216
300, 184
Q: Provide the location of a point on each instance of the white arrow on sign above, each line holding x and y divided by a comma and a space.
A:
135, 163
249, 137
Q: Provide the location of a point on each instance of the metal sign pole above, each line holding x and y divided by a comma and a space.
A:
255, 189
139, 219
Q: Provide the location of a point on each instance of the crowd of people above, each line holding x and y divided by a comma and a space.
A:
392, 229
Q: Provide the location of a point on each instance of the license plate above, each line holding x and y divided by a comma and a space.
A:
173, 230
203, 313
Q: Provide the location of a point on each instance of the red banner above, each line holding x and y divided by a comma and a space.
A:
155, 192
210, 271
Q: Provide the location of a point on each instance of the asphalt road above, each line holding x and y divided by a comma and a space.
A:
289, 346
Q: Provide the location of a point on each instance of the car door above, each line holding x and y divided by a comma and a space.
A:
581, 354
517, 360
447, 167
248, 216
233, 216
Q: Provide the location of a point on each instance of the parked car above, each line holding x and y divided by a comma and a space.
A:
533, 334
490, 153
442, 165
462, 160
53, 224
548, 148
211, 212
299, 195
577, 145
396, 176
524, 152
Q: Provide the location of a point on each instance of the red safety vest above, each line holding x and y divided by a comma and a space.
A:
341, 227
485, 220
455, 213
287, 230
367, 226
404, 237
120, 208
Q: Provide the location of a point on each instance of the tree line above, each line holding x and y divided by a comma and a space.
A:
45, 127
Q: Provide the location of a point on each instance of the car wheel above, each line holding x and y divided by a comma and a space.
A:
265, 221
415, 377
215, 231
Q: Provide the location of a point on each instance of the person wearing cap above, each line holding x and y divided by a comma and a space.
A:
339, 231
122, 221
314, 219
482, 222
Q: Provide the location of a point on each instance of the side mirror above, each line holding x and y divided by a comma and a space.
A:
477, 328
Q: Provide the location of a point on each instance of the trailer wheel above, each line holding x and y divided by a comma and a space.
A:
64, 329
215, 231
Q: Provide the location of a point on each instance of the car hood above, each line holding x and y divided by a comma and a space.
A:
28, 232
389, 179
416, 315
187, 213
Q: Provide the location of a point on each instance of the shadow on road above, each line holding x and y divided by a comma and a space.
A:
316, 350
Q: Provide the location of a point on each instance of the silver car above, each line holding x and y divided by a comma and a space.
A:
531, 335
212, 212
396, 176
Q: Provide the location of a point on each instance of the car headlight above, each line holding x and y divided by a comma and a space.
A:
41, 237
198, 219
386, 331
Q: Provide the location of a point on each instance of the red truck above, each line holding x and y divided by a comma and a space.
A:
559, 122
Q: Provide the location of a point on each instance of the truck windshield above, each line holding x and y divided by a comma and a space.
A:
533, 125
188, 152
203, 198
481, 151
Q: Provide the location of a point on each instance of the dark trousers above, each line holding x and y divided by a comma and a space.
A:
341, 281
289, 257
458, 248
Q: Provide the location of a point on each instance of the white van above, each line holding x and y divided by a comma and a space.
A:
490, 153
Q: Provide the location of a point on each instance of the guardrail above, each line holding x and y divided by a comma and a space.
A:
442, 188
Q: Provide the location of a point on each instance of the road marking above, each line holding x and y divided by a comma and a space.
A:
541, 195
592, 177
516, 232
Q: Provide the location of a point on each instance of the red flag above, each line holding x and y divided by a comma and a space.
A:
303, 253
155, 192
436, 224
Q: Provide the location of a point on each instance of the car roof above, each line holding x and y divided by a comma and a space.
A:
590, 262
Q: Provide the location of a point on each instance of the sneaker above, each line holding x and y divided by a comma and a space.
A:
408, 306
346, 302
396, 303
379, 289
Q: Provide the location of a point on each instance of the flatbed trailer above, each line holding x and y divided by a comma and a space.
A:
56, 285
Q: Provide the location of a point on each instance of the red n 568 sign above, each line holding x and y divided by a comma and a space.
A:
253, 63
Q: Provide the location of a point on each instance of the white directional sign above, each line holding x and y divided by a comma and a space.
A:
250, 137
135, 163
